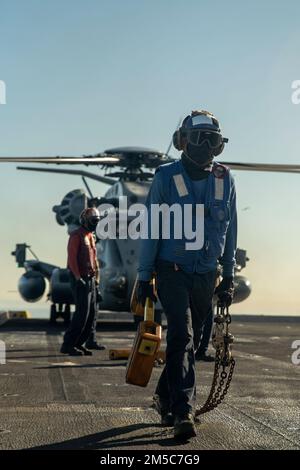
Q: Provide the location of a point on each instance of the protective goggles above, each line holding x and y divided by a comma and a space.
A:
200, 136
94, 220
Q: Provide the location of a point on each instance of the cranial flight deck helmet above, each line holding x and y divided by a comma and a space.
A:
198, 129
89, 218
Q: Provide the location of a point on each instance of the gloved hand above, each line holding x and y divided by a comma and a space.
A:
81, 281
225, 291
144, 290
99, 297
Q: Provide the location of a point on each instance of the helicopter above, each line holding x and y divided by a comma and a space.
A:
128, 171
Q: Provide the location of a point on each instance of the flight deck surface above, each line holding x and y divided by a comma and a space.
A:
52, 401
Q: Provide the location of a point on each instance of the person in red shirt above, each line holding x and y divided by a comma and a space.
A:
84, 274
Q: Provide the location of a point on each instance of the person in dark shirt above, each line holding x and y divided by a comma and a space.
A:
186, 276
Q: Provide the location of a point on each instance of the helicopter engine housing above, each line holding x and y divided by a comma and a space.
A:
242, 289
60, 287
68, 212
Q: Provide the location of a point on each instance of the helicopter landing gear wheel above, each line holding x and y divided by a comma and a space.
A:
53, 314
67, 315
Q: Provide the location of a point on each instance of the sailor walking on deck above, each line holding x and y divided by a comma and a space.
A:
186, 277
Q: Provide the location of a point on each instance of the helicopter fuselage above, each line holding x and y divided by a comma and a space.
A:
118, 258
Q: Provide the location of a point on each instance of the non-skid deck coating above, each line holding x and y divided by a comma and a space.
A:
52, 401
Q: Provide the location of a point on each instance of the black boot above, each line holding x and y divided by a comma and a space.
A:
204, 357
184, 427
86, 352
71, 351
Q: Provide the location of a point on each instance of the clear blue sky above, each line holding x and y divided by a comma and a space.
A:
85, 76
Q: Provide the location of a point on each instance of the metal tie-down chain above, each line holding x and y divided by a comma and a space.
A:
224, 363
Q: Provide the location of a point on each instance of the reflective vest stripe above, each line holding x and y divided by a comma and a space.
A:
219, 189
180, 185
182, 189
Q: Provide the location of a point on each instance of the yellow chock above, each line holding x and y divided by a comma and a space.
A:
14, 314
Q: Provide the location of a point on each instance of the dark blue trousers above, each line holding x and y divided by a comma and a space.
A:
206, 333
186, 300
84, 316
93, 334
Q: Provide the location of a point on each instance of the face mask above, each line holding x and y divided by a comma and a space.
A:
202, 155
91, 225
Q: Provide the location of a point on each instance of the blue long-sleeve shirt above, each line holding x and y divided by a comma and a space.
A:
149, 248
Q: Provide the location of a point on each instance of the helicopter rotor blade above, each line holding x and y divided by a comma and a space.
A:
87, 160
86, 174
272, 167
115, 159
